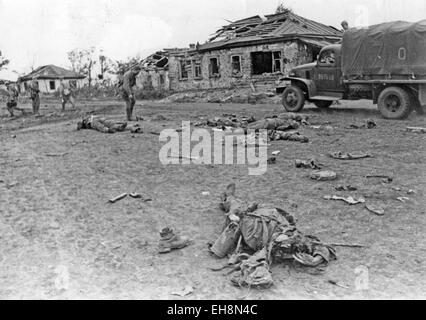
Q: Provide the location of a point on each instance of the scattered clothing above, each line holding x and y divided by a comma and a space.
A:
369, 124
258, 235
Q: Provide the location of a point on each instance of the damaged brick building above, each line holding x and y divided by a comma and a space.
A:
252, 52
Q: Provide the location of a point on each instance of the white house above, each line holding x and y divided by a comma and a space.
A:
48, 78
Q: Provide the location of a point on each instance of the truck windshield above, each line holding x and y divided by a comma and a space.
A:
327, 57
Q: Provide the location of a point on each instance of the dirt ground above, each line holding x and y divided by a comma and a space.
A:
60, 239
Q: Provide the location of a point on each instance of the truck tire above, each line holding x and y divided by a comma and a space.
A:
323, 104
395, 103
293, 99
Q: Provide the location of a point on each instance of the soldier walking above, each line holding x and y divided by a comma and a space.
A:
66, 94
12, 99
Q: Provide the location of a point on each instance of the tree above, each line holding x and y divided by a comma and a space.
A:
282, 8
122, 67
83, 61
3, 61
106, 66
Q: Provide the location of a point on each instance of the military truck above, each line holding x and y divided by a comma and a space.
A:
385, 63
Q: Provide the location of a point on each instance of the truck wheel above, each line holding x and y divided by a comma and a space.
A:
395, 103
323, 104
293, 99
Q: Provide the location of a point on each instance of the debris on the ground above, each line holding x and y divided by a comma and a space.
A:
276, 153
403, 199
184, 292
56, 154
411, 192
308, 164
348, 200
159, 117
118, 198
136, 129
324, 130
375, 209
205, 194
171, 241
336, 283
260, 236
135, 195
416, 129
13, 136
324, 175
385, 179
369, 124
272, 160
345, 188
139, 118
349, 156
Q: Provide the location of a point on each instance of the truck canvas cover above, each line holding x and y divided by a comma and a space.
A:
395, 48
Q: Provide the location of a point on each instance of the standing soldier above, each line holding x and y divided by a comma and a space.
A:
12, 99
129, 81
66, 94
35, 95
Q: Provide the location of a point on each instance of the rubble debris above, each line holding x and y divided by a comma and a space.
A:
324, 175
416, 129
184, 292
348, 200
369, 124
272, 235
346, 188
13, 136
205, 194
349, 156
276, 153
411, 192
375, 209
308, 164
170, 241
118, 198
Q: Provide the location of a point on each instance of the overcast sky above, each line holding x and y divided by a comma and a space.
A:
39, 32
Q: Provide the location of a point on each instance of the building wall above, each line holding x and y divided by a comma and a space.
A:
292, 54
45, 87
154, 80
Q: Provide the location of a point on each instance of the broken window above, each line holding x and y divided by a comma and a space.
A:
184, 69
52, 85
197, 70
266, 62
214, 67
236, 65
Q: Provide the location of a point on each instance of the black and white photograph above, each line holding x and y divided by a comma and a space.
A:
197, 150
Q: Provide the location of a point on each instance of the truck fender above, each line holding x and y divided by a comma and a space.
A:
307, 85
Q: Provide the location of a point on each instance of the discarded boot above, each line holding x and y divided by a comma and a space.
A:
227, 241
170, 241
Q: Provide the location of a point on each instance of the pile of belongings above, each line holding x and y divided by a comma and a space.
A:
101, 124
257, 235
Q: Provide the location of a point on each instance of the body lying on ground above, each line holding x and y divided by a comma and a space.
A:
258, 235
101, 124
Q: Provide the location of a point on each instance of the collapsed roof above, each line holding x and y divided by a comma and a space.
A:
160, 59
52, 72
285, 26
